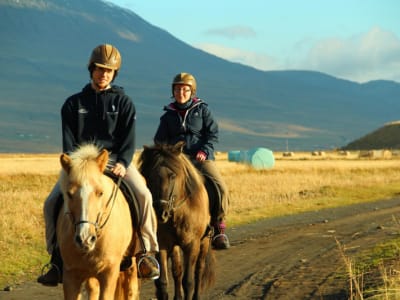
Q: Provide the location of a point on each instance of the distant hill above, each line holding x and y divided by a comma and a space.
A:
45, 46
385, 137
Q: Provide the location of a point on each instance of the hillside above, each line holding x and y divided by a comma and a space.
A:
385, 137
46, 45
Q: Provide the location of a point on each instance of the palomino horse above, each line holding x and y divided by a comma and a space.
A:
181, 203
94, 229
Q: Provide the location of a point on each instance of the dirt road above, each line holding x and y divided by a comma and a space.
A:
293, 257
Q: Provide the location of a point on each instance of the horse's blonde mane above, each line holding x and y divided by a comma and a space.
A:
81, 161
84, 153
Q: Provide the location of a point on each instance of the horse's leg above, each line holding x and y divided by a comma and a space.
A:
132, 282
71, 286
92, 288
191, 254
197, 273
108, 282
127, 287
162, 282
205, 269
177, 271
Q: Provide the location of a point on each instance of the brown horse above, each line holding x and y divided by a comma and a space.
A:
94, 229
181, 203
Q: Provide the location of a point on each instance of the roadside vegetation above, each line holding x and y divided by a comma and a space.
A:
295, 184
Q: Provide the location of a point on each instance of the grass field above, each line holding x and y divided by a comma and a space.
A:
295, 184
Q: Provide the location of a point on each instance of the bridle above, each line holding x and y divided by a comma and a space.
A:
171, 202
111, 201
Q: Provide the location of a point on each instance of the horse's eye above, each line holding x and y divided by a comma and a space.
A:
99, 193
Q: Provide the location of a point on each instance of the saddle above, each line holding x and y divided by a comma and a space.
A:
129, 196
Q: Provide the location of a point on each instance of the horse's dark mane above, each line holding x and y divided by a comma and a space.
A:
152, 158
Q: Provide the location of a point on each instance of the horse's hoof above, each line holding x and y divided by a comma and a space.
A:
220, 242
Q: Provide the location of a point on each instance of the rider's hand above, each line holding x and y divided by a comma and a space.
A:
201, 156
119, 170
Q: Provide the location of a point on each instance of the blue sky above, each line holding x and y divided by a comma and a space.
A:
358, 40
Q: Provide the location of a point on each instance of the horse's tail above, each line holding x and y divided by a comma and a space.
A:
207, 272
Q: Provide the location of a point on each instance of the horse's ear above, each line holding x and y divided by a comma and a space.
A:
102, 160
179, 146
65, 161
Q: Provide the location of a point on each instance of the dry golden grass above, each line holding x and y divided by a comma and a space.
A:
304, 183
295, 184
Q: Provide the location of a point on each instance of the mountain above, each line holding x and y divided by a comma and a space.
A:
46, 45
385, 137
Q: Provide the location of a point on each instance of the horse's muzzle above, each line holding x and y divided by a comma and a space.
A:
85, 235
163, 210
87, 244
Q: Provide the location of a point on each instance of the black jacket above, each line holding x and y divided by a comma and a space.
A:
106, 118
197, 128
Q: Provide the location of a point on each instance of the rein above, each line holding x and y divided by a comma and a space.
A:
96, 224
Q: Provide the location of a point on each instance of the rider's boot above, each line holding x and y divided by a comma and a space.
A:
54, 275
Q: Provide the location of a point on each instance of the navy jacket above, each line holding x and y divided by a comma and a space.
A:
106, 118
196, 127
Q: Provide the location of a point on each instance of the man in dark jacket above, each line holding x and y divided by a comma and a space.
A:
189, 119
103, 114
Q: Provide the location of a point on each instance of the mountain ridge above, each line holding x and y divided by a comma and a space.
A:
385, 137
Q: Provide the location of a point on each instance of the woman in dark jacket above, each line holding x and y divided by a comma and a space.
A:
189, 119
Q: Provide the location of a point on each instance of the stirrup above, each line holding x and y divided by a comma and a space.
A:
220, 235
225, 244
153, 260
47, 267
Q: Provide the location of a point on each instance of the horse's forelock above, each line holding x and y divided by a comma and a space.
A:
83, 161
84, 153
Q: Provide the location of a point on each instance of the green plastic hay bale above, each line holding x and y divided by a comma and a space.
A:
234, 155
258, 158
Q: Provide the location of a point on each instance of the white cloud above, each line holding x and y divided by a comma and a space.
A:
232, 32
257, 60
367, 56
